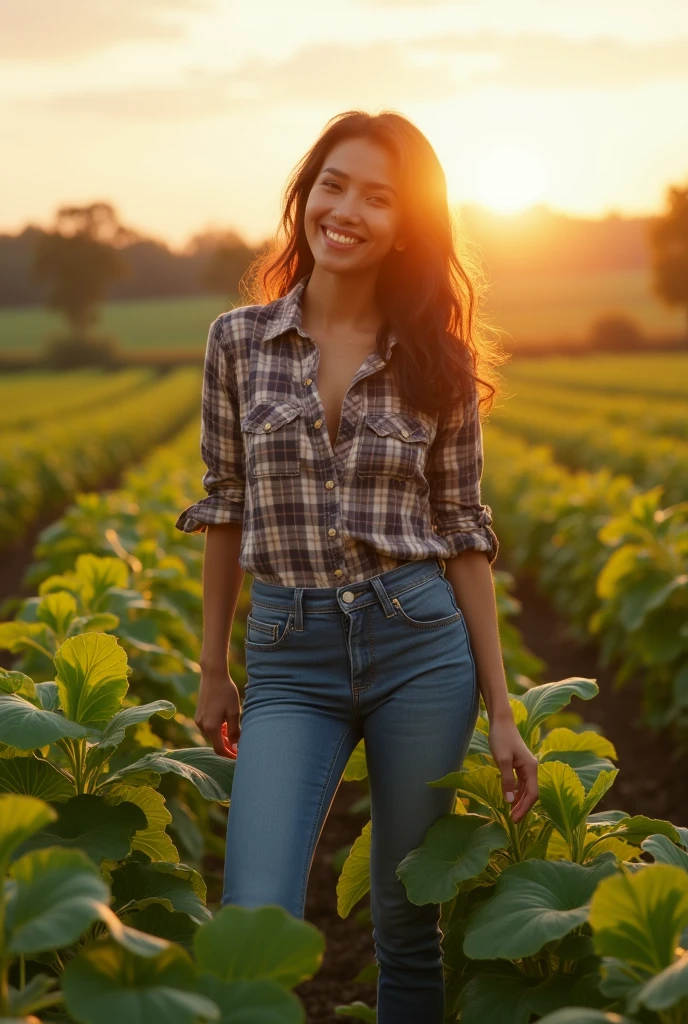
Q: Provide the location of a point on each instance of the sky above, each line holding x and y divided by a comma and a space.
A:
189, 115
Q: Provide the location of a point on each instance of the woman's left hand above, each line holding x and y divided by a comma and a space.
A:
512, 755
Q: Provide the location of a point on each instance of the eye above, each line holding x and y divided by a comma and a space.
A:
331, 183
381, 198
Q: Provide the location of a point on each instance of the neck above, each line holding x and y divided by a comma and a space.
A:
341, 303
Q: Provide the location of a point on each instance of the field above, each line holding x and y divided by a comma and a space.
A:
113, 809
534, 309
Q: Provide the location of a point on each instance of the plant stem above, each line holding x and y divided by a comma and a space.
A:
22, 971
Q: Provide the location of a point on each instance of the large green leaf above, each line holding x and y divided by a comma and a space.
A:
535, 902
667, 988
26, 727
19, 683
20, 817
665, 852
455, 847
88, 823
153, 840
563, 796
639, 917
586, 764
176, 886
57, 610
635, 830
53, 899
566, 739
483, 784
92, 675
248, 944
546, 699
354, 880
252, 1002
34, 776
210, 773
113, 734
106, 984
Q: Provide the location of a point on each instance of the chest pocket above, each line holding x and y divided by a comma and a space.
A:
393, 444
272, 439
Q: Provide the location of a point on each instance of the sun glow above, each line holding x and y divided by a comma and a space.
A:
509, 179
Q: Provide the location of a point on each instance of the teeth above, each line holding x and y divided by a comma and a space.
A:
343, 239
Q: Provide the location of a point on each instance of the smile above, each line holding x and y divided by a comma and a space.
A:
340, 240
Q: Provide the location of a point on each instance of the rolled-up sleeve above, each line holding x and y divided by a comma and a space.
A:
221, 442
453, 471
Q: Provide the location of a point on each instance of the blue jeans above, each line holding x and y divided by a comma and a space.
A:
389, 660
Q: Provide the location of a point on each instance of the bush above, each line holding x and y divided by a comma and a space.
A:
615, 332
70, 351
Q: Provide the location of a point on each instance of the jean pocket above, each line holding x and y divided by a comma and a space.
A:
393, 444
272, 439
273, 629
430, 605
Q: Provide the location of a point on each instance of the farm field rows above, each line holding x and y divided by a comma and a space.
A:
44, 466
105, 777
30, 398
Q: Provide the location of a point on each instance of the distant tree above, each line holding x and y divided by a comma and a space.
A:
80, 258
615, 332
669, 244
228, 258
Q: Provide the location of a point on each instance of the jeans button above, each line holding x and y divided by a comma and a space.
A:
348, 596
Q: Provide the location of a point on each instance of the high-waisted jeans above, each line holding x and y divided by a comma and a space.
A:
387, 659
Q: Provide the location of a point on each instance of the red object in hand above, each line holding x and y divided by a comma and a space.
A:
231, 748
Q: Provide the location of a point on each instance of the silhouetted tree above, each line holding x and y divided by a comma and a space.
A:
228, 257
80, 258
669, 243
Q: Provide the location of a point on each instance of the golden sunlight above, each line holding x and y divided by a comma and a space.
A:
509, 179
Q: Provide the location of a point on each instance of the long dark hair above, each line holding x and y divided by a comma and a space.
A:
430, 296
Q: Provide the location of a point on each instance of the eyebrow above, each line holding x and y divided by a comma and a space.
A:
372, 184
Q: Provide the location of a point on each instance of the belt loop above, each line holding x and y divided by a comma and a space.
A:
298, 609
388, 607
443, 565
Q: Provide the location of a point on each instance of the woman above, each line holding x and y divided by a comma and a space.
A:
342, 437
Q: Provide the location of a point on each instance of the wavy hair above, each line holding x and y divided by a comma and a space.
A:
429, 292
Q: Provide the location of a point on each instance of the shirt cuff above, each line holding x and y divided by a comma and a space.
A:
216, 508
470, 531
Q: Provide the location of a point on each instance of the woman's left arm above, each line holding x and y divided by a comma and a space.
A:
471, 580
454, 470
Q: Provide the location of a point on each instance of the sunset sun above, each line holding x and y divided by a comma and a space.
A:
509, 179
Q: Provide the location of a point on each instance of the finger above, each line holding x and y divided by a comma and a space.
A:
508, 783
217, 741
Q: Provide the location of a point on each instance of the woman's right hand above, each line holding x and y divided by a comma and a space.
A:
218, 712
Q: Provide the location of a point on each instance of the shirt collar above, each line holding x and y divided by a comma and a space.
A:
285, 315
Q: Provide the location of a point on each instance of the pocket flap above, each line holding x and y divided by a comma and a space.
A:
265, 417
403, 426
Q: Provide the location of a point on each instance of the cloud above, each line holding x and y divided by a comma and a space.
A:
385, 75
331, 74
63, 29
548, 61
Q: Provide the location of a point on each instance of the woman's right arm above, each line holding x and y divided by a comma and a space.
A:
218, 697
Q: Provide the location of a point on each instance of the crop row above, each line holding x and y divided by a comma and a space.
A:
590, 441
613, 558
661, 374
32, 398
107, 784
645, 414
41, 468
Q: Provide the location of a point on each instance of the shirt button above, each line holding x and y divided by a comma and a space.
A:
308, 380
404, 432
318, 424
348, 596
329, 484
338, 572
331, 532
268, 426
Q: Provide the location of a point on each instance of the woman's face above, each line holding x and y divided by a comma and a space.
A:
356, 196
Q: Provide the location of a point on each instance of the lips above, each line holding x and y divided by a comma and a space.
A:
338, 231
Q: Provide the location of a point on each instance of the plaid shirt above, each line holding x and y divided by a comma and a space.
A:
394, 489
